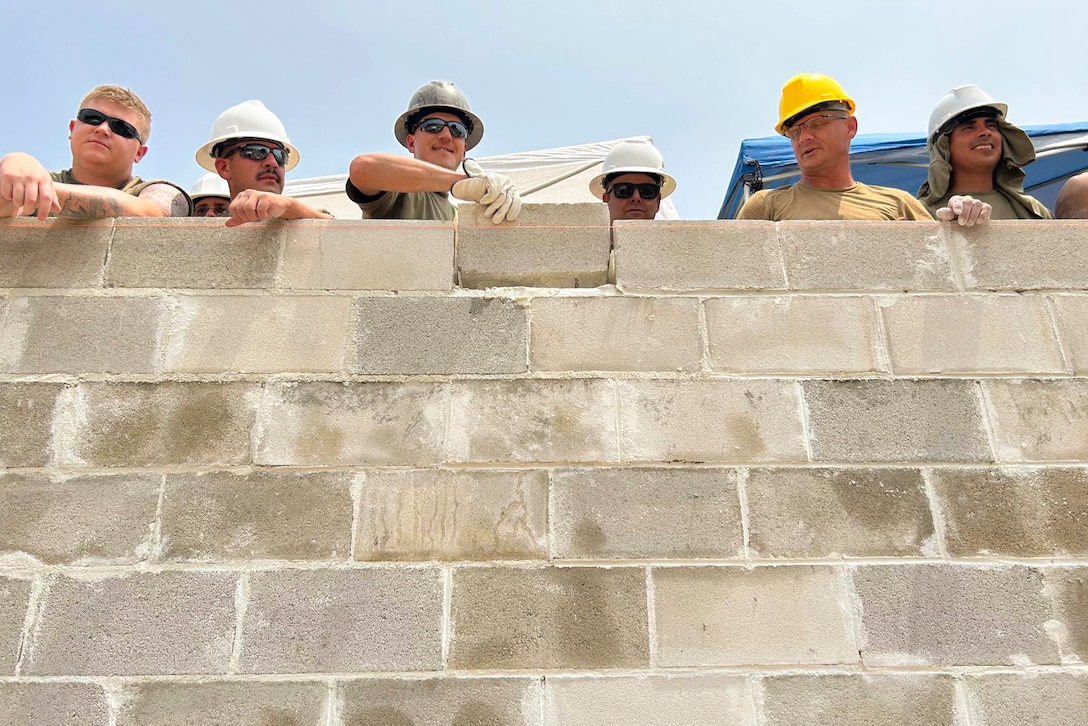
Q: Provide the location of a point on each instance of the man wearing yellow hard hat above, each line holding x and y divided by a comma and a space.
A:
817, 115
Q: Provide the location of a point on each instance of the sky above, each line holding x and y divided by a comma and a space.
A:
696, 76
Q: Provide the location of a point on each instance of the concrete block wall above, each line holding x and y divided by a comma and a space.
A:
345, 473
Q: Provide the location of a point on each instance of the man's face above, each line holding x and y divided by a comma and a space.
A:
634, 206
211, 207
242, 170
821, 140
99, 147
442, 149
975, 144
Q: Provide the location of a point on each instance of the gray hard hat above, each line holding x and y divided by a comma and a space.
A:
439, 96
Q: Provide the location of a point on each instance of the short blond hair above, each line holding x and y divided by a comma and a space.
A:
122, 97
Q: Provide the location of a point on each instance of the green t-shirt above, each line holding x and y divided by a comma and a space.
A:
133, 186
403, 205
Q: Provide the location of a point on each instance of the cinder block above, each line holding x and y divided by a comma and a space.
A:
438, 335
698, 255
195, 253
258, 334
343, 621
615, 334
707, 700
169, 623
26, 418
158, 424
441, 702
970, 333
533, 420
1014, 512
1015, 699
53, 253
333, 424
903, 699
79, 520
434, 514
710, 420
385, 255
720, 616
581, 617
826, 513
71, 704
1025, 255
14, 599
1039, 420
550, 245
903, 420
792, 334
866, 256
1068, 589
82, 334
951, 615
645, 513
257, 516
1072, 311
235, 703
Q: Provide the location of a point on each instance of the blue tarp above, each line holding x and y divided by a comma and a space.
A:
900, 160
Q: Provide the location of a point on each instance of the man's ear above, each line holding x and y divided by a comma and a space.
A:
852, 126
223, 167
605, 197
140, 153
411, 143
71, 127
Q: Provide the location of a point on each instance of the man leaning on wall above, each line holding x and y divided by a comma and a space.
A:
633, 181
108, 135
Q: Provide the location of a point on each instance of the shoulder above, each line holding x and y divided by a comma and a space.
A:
761, 204
174, 200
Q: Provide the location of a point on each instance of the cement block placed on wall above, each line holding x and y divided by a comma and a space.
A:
343, 621
368, 255
82, 334
550, 245
335, 424
824, 255
950, 615
902, 420
904, 699
707, 700
236, 703
441, 701
970, 333
698, 255
1015, 699
710, 420
195, 253
26, 419
71, 704
438, 335
1025, 255
549, 618
433, 514
1039, 420
168, 623
53, 253
1067, 588
1072, 311
645, 513
78, 520
792, 334
259, 515
159, 424
615, 334
731, 616
533, 421
258, 334
827, 513
14, 599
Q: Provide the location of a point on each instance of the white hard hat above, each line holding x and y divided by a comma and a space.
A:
636, 156
247, 120
210, 185
960, 100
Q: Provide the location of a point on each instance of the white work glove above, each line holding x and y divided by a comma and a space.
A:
494, 190
966, 210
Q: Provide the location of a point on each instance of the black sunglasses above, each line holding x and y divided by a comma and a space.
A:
625, 190
117, 125
258, 152
435, 125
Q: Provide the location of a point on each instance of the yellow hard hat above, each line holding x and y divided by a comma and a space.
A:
806, 90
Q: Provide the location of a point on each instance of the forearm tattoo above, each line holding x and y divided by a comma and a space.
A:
170, 200
80, 205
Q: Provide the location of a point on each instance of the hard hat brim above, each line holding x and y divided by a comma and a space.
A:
668, 184
400, 128
207, 161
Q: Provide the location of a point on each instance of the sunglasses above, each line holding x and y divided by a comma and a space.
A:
258, 152
624, 190
435, 125
117, 125
814, 124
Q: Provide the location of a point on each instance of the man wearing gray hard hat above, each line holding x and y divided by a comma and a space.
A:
438, 128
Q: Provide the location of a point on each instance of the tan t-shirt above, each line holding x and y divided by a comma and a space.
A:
860, 201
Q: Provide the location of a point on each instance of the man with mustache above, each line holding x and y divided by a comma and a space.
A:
633, 181
108, 136
438, 129
249, 148
973, 150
